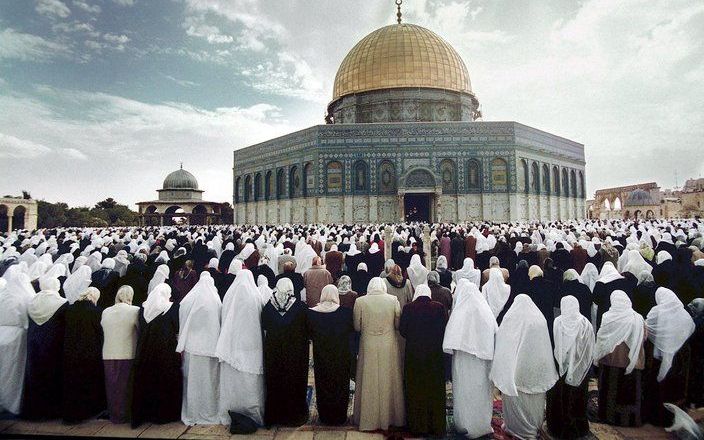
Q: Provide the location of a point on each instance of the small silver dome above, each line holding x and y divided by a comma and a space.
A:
180, 179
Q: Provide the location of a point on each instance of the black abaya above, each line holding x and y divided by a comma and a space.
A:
158, 381
84, 379
330, 333
582, 293
566, 410
602, 295
43, 380
423, 326
106, 280
285, 365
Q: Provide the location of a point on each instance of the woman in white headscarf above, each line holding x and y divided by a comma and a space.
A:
240, 350
636, 264
160, 276
304, 258
43, 387
199, 321
417, 273
264, 289
495, 291
445, 273
158, 380
77, 283
15, 294
589, 276
523, 368
667, 357
469, 338
566, 413
79, 262
120, 323
621, 359
609, 281
469, 272
379, 396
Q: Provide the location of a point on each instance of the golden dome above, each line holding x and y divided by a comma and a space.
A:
401, 55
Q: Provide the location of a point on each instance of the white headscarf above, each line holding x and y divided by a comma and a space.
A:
469, 272
574, 342
669, 327
45, 303
636, 264
353, 250
36, 270
377, 286
240, 343
304, 258
620, 324
157, 302
14, 300
329, 300
56, 271
472, 325
422, 290
417, 273
283, 298
264, 289
589, 275
662, 257
496, 291
523, 359
374, 248
77, 283
608, 273
160, 276
199, 318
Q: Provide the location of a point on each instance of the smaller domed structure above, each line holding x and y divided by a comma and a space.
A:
180, 179
639, 197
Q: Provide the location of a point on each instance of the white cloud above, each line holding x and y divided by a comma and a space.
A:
73, 153
52, 8
181, 82
28, 47
12, 147
124, 2
92, 9
196, 27
113, 38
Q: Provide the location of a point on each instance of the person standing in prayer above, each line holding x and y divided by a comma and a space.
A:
398, 286
184, 280
496, 292
667, 357
289, 272
609, 281
284, 258
544, 295
644, 294
43, 380
315, 279
523, 368
285, 357
379, 398
77, 283
494, 263
240, 350
469, 272
620, 356
199, 329
120, 324
422, 325
330, 328
573, 286
137, 278
14, 300
446, 247
347, 295
457, 246
106, 280
566, 413
579, 257
84, 376
360, 279
333, 262
445, 273
469, 338
158, 380
374, 260
696, 365
417, 273
439, 293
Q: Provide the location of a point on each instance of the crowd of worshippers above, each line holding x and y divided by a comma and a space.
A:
212, 325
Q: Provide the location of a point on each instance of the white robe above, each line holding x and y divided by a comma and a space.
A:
472, 398
13, 341
242, 393
524, 414
200, 397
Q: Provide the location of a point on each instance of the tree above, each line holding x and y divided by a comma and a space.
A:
108, 203
26, 195
227, 214
106, 213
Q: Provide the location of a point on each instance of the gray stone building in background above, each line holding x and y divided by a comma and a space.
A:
402, 142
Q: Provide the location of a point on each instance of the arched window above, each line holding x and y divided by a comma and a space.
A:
334, 177
546, 179
294, 182
309, 179
474, 177
535, 178
565, 183
573, 183
268, 184
238, 189
499, 174
18, 217
555, 181
280, 184
247, 188
257, 187
526, 176
387, 177
361, 176
448, 176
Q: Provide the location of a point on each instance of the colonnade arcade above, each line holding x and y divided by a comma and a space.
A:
168, 214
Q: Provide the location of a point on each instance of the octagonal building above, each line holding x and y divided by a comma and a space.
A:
402, 142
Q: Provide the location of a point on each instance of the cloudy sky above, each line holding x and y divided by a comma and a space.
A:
103, 98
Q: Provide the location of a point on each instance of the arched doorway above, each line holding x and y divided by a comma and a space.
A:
419, 196
3, 219
18, 217
172, 217
151, 216
200, 215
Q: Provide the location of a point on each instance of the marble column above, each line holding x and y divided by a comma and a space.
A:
388, 237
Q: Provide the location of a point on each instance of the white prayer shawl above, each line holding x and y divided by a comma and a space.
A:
608, 273
80, 261
36, 270
620, 324
574, 342
353, 250
329, 300
240, 342
199, 318
523, 359
422, 290
77, 283
15, 296
157, 302
44, 304
589, 276
417, 273
160, 276
472, 324
636, 263
264, 289
669, 327
496, 291
304, 258
469, 272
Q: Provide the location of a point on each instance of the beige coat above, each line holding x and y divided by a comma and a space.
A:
379, 401
403, 294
